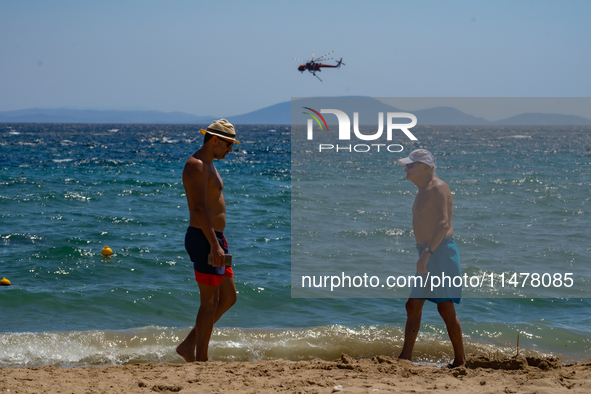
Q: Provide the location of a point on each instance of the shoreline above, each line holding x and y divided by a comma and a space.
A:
157, 345
380, 374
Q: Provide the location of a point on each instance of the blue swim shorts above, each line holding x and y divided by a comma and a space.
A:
445, 264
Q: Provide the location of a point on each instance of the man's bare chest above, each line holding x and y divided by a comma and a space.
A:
214, 181
421, 205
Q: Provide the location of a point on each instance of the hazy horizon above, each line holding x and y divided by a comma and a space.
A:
489, 108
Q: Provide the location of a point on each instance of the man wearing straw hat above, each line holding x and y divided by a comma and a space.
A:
432, 213
204, 237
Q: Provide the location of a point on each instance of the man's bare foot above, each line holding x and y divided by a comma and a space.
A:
185, 352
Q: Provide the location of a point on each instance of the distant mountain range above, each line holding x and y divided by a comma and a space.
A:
37, 115
282, 114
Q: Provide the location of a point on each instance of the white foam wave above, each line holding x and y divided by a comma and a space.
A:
158, 344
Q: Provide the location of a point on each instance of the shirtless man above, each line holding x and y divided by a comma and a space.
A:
207, 208
432, 213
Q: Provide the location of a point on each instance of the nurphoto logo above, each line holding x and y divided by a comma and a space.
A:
345, 130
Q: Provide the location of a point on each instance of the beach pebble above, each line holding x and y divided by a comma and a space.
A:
336, 389
459, 371
346, 359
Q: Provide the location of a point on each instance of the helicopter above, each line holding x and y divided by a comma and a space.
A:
315, 65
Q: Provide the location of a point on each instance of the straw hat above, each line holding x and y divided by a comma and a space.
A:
221, 128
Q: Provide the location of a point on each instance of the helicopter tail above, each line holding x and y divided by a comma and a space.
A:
340, 62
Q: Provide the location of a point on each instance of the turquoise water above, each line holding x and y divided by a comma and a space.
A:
66, 191
521, 205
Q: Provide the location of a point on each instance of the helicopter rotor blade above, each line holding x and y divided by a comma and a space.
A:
314, 59
325, 54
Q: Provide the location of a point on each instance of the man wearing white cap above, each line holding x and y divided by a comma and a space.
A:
432, 213
204, 238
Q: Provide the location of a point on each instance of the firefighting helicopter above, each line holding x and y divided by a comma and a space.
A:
315, 65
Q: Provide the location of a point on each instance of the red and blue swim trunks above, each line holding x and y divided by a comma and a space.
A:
198, 248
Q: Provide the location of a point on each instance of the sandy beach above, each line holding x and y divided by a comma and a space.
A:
379, 374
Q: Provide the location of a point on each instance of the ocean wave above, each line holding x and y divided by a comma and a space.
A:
158, 344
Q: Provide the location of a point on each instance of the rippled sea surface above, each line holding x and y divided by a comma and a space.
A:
66, 191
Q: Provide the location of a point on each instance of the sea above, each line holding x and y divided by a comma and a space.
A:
521, 194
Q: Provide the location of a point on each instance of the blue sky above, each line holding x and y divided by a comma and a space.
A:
231, 57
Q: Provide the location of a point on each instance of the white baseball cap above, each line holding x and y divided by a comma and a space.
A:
419, 155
